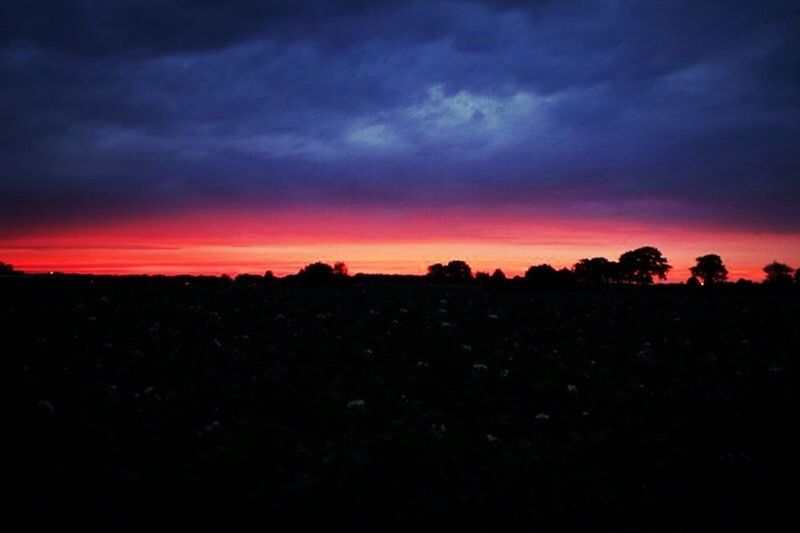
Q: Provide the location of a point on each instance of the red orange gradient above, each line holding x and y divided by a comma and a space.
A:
234, 241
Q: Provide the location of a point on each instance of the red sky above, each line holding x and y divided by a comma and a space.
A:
400, 241
501, 133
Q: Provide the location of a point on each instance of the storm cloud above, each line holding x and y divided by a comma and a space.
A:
122, 108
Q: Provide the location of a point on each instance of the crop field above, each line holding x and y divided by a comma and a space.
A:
131, 403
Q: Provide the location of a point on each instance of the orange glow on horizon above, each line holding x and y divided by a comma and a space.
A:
220, 241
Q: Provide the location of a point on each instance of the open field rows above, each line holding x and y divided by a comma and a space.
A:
381, 407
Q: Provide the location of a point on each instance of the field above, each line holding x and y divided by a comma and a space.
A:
134, 403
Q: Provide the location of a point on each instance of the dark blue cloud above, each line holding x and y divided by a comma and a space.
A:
111, 109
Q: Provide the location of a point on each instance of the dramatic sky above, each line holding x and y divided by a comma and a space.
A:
236, 136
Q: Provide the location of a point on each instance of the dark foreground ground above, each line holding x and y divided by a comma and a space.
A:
152, 404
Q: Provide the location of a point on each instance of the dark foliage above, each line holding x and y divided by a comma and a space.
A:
778, 274
455, 271
318, 270
565, 278
340, 269
385, 405
547, 277
693, 282
249, 280
710, 269
8, 270
496, 279
320, 273
541, 276
639, 266
596, 271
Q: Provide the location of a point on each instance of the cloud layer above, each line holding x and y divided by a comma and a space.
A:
116, 110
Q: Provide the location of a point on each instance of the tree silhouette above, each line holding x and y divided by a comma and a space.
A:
454, 271
316, 273
710, 269
640, 265
459, 271
596, 271
436, 272
6, 269
565, 277
546, 277
693, 282
498, 275
248, 280
778, 273
797, 276
541, 276
340, 269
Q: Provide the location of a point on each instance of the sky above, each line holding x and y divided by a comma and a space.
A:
180, 136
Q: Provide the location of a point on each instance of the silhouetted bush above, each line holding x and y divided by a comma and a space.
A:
596, 271
546, 277
541, 275
8, 270
316, 273
340, 269
436, 272
693, 282
640, 265
455, 271
249, 280
566, 277
498, 275
778, 274
710, 269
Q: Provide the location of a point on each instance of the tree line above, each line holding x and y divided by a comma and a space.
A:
641, 266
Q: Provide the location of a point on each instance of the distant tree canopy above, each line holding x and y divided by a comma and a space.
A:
596, 271
565, 277
495, 278
640, 265
541, 275
710, 269
320, 272
252, 280
546, 277
693, 282
778, 273
340, 269
6, 269
797, 276
454, 271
